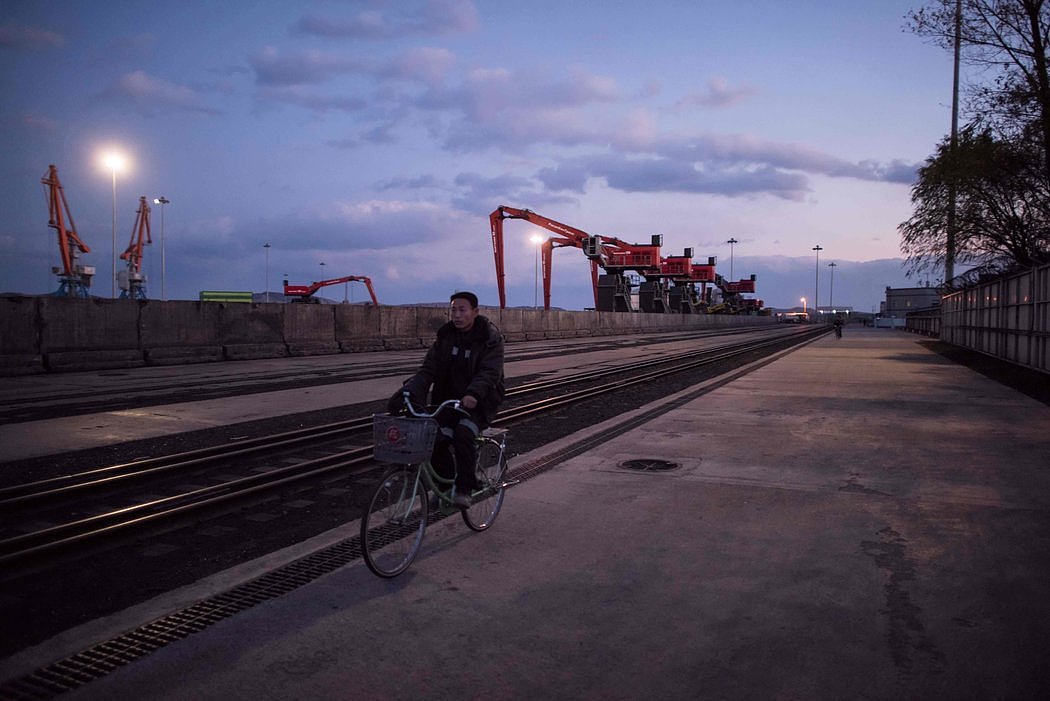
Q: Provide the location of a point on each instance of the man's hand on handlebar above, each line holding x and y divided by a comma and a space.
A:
469, 401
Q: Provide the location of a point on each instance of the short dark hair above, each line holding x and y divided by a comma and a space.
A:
469, 296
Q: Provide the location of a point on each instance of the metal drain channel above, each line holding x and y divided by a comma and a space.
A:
99, 660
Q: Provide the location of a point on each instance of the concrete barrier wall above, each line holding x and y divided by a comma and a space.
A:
51, 334
180, 332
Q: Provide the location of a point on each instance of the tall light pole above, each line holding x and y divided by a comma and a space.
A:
537, 240
731, 242
816, 287
114, 161
803, 300
162, 200
953, 145
831, 298
266, 247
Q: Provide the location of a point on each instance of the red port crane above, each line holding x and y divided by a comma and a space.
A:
304, 293
565, 235
74, 278
669, 283
132, 282
614, 256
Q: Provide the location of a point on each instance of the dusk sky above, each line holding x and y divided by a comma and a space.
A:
376, 137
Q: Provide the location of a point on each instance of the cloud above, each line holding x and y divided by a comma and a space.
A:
431, 18
357, 226
318, 101
425, 64
417, 183
23, 38
658, 174
150, 94
39, 122
303, 67
717, 95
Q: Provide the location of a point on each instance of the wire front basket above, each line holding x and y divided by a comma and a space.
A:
402, 439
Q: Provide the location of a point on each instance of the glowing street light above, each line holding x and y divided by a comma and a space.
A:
803, 300
114, 161
536, 240
162, 200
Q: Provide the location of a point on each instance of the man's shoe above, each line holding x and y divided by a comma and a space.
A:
462, 501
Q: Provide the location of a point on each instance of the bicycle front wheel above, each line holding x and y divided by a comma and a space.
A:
490, 470
392, 528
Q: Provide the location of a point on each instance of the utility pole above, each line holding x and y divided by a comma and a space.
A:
162, 200
816, 286
266, 292
831, 298
950, 234
731, 242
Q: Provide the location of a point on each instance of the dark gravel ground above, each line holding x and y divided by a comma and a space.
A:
102, 580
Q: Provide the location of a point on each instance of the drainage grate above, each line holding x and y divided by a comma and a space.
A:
99, 660
649, 465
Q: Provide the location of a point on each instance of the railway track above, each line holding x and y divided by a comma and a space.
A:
69, 493
26, 401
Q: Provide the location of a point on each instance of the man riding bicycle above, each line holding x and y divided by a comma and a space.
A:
464, 362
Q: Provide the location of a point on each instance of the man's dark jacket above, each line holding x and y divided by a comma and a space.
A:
460, 364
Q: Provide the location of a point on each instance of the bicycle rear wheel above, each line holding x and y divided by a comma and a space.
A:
393, 526
491, 467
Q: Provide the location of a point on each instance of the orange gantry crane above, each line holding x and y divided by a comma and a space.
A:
305, 293
132, 282
612, 291
668, 284
74, 277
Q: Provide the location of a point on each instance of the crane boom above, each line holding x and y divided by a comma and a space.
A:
305, 292
134, 284
565, 236
612, 292
74, 278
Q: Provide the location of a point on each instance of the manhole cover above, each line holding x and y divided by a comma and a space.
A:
649, 465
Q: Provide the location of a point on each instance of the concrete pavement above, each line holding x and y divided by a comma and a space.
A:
858, 519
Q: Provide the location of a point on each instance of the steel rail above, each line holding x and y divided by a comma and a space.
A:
73, 532
56, 487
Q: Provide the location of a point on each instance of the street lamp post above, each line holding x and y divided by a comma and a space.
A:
816, 285
731, 241
162, 200
537, 240
831, 297
115, 162
803, 300
266, 247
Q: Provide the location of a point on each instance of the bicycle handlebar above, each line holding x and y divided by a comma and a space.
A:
450, 403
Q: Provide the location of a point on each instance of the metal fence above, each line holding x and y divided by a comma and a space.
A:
924, 321
1008, 318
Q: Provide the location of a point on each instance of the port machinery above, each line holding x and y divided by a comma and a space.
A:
669, 284
305, 293
74, 278
132, 282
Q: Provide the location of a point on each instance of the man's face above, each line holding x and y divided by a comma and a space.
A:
463, 314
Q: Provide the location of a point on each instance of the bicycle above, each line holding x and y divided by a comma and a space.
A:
393, 525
